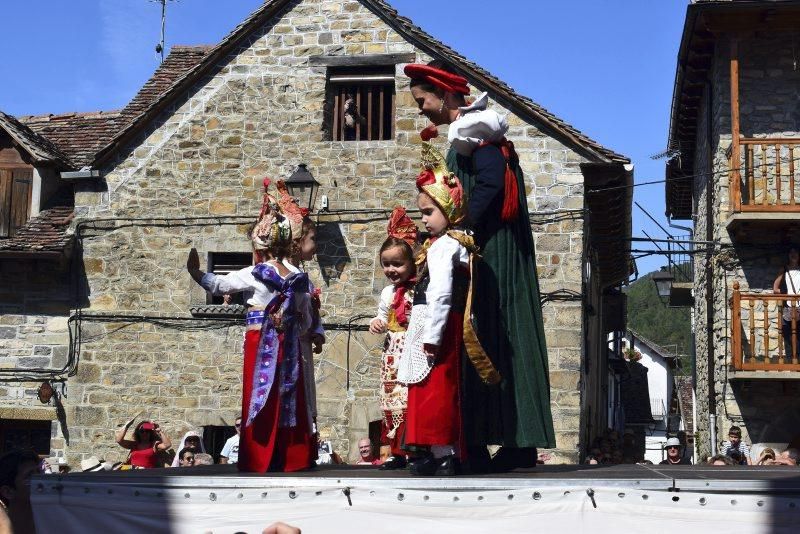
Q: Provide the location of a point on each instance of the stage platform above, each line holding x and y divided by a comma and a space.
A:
356, 499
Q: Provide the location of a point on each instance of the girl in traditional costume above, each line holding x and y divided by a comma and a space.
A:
437, 333
509, 320
397, 262
277, 434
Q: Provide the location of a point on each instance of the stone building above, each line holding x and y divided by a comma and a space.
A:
735, 122
122, 327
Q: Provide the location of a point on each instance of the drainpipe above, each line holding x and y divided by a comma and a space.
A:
712, 425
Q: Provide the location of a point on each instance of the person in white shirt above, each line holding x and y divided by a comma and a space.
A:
230, 451
788, 283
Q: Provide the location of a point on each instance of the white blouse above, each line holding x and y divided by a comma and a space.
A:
476, 125
444, 255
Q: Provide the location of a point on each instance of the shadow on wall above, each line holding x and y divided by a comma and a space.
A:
332, 254
770, 409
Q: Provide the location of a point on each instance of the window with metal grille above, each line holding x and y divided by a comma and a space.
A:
361, 103
223, 263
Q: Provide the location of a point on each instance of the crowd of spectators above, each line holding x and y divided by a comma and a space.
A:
610, 449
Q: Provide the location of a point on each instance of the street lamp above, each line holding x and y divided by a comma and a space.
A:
663, 281
302, 186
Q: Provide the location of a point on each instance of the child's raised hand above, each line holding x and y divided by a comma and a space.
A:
377, 326
317, 340
193, 261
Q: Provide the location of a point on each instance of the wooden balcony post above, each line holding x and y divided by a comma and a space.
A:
736, 327
735, 161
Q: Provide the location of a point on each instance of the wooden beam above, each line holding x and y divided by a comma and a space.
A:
368, 60
735, 192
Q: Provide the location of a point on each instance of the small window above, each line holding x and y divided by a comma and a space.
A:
223, 263
15, 199
25, 434
361, 103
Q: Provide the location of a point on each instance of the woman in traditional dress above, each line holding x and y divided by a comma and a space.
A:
516, 414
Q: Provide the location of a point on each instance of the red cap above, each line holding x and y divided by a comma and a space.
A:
438, 77
147, 426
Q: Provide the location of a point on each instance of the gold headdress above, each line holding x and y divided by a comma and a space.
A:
272, 227
438, 182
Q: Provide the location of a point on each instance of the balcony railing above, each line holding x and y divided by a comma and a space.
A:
765, 175
757, 342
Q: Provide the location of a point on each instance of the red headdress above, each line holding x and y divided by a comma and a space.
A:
401, 226
290, 209
442, 79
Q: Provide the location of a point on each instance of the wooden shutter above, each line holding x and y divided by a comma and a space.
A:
15, 199
6, 182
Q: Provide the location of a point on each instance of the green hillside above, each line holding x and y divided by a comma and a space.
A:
669, 327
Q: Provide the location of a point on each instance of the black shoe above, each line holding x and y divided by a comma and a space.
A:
510, 458
449, 466
394, 462
478, 461
424, 466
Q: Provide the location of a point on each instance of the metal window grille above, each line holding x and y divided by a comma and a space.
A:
362, 104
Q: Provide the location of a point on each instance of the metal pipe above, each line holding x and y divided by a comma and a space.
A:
712, 427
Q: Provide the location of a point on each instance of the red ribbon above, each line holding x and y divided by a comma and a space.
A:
399, 304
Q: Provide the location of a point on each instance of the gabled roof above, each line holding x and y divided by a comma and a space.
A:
78, 135
655, 347
43, 235
140, 115
40, 149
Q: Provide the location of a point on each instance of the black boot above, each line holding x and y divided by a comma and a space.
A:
424, 466
394, 462
449, 466
509, 458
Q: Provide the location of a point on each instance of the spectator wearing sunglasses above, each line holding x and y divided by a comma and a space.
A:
230, 451
674, 456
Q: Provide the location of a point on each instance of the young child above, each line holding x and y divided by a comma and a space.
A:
736, 448
397, 262
303, 249
438, 331
277, 432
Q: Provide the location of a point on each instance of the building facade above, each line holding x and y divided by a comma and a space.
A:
735, 123
181, 167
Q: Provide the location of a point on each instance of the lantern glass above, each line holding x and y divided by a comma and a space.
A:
663, 281
302, 186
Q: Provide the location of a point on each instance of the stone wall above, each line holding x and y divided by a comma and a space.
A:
769, 106
260, 114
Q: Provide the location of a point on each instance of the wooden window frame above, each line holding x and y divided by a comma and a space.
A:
16, 190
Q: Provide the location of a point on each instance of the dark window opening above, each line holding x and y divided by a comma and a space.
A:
25, 434
223, 263
214, 438
360, 104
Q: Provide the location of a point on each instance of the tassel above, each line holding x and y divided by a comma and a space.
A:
510, 188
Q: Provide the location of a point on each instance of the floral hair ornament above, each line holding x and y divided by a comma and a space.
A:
401, 226
437, 181
442, 79
271, 228
290, 209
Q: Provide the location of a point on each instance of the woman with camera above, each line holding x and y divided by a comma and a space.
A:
148, 441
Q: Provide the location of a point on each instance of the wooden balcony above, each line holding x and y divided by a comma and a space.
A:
756, 339
764, 185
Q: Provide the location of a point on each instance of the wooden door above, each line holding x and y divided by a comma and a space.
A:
15, 199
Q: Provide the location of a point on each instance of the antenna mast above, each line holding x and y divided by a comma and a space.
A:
161, 45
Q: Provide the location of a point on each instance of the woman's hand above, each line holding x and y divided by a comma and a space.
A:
377, 326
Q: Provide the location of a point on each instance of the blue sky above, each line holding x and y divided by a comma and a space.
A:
607, 66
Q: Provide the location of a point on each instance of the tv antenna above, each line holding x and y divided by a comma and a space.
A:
160, 46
